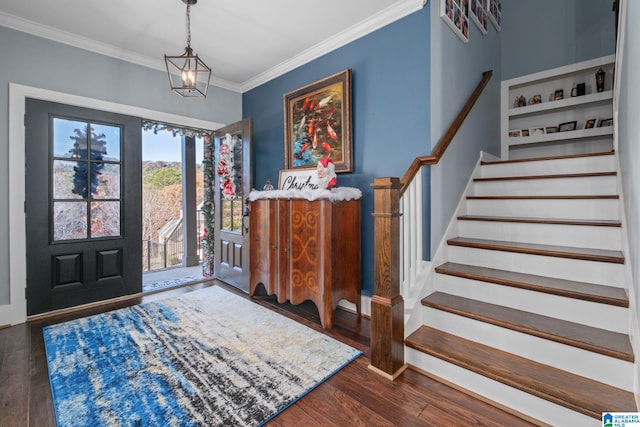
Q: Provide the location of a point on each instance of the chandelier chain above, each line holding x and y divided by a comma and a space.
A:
188, 25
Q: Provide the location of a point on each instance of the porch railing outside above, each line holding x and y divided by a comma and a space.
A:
169, 252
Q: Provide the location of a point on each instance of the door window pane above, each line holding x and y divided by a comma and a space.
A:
106, 180
65, 176
69, 220
68, 136
111, 136
105, 219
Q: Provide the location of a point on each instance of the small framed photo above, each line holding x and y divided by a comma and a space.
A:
515, 133
605, 122
536, 131
567, 126
558, 94
551, 129
456, 15
478, 12
525, 132
590, 123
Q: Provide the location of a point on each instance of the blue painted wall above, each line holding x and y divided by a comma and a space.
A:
455, 72
390, 105
543, 34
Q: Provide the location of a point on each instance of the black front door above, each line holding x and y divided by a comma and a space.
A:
83, 206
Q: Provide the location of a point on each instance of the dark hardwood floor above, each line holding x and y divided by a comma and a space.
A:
355, 396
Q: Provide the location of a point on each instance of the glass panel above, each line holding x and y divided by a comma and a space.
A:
69, 220
69, 136
105, 219
237, 165
65, 178
111, 136
226, 215
105, 180
237, 215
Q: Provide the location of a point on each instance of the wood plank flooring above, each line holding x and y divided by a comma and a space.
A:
355, 396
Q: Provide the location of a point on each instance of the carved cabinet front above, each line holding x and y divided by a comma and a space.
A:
306, 250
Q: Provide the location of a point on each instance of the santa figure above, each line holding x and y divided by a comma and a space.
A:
326, 173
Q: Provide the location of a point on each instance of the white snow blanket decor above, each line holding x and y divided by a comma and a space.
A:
336, 194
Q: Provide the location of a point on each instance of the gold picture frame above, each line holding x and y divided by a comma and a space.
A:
317, 123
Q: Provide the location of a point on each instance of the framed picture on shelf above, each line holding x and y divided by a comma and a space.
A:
478, 12
456, 14
536, 131
515, 133
605, 122
551, 129
590, 123
567, 126
495, 13
525, 132
317, 123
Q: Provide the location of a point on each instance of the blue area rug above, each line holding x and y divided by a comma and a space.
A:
207, 358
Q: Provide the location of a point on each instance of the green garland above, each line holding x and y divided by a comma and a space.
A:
208, 170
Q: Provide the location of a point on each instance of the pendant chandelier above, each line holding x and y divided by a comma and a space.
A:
188, 75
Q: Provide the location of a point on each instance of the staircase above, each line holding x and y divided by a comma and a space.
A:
530, 308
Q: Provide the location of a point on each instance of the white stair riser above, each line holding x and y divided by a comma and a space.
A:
596, 237
547, 208
510, 397
547, 167
561, 356
612, 318
600, 273
592, 186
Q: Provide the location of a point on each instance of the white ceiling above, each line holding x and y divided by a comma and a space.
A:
245, 42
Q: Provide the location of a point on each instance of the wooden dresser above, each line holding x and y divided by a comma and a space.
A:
306, 250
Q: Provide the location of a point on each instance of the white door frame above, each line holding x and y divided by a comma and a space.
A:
16, 311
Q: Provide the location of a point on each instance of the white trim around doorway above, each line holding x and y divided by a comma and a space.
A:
16, 311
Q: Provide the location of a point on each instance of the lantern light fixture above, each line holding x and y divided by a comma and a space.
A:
188, 75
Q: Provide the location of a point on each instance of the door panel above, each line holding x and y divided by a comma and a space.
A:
83, 175
232, 183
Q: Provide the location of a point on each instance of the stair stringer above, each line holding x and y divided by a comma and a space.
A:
634, 327
413, 307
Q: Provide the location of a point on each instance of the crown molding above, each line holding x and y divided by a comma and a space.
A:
367, 26
44, 31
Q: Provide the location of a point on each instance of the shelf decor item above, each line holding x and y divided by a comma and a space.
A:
564, 127
317, 123
600, 80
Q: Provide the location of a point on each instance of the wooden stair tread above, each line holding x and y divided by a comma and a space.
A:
535, 159
596, 223
579, 197
572, 391
601, 341
552, 176
587, 254
567, 288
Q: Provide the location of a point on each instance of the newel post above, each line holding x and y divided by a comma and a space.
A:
387, 305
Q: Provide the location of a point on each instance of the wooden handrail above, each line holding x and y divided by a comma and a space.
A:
446, 139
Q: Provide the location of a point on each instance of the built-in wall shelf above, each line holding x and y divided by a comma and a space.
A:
592, 108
